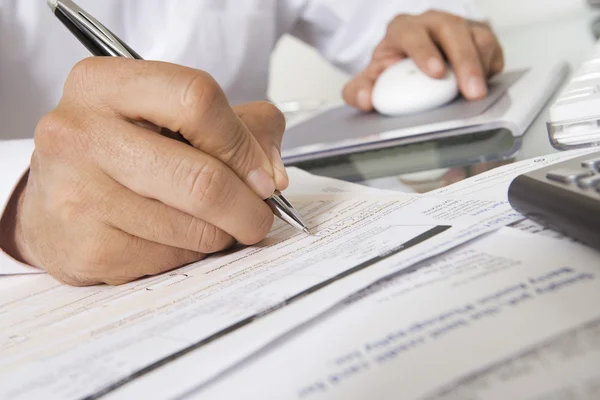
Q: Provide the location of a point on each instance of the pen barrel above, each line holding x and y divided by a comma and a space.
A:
100, 41
91, 42
129, 49
92, 45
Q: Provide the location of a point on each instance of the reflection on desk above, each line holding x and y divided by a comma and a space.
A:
447, 152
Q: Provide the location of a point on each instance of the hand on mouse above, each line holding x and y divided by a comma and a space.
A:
470, 47
109, 200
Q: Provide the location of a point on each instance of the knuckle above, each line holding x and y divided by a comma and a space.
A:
447, 28
449, 24
64, 133
274, 117
53, 133
200, 92
401, 18
431, 14
399, 22
237, 148
484, 38
458, 20
453, 18
207, 237
214, 188
83, 68
205, 183
199, 235
438, 17
170, 225
171, 228
82, 76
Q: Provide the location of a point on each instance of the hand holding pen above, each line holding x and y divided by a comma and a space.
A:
100, 41
108, 200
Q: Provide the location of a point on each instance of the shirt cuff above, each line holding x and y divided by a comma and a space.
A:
14, 162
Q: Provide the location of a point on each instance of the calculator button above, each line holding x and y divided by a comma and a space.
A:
594, 163
590, 182
566, 175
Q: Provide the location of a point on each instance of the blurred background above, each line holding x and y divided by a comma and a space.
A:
299, 74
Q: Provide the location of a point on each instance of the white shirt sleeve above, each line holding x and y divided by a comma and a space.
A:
347, 31
14, 162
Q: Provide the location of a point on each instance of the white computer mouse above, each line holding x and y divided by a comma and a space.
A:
404, 89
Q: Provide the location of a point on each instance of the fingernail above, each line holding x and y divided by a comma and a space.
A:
476, 87
435, 66
261, 182
364, 99
281, 176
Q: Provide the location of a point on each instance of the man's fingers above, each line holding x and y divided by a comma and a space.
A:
182, 100
429, 40
488, 43
267, 125
415, 42
358, 92
497, 65
156, 222
79, 246
490, 50
166, 170
123, 258
454, 37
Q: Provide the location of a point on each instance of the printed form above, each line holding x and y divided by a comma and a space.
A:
63, 342
494, 184
490, 185
510, 315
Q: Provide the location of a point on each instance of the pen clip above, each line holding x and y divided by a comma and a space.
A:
94, 28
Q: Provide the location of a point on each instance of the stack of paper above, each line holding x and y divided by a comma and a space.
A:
510, 316
185, 332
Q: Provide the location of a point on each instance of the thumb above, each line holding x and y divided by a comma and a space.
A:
267, 125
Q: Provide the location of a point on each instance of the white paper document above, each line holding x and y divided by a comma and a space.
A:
511, 315
494, 184
63, 342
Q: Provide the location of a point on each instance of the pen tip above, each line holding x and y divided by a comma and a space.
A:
52, 4
305, 230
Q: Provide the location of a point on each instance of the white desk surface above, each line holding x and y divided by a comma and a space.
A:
569, 38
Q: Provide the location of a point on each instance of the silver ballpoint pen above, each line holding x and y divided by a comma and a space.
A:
102, 42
